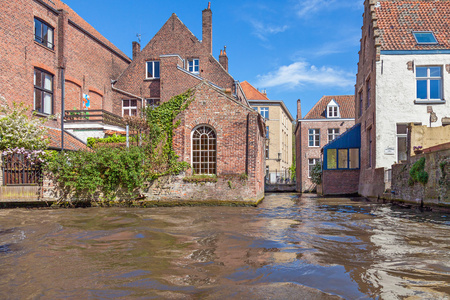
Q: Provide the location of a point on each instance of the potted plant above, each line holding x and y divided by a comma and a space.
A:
417, 149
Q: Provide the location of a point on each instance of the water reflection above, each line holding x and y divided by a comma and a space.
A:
319, 248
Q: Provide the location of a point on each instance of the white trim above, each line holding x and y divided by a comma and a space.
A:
153, 69
324, 120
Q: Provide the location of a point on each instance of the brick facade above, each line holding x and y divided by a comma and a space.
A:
340, 182
89, 60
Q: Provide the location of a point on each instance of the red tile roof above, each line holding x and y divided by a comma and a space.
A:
70, 141
252, 93
398, 19
346, 107
73, 16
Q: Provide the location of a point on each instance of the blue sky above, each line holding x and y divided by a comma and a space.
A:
294, 49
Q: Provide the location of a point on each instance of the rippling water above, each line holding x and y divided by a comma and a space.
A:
289, 247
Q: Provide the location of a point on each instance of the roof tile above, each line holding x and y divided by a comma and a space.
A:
346, 107
251, 92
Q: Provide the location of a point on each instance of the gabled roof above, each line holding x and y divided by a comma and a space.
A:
252, 93
75, 18
70, 141
346, 107
397, 20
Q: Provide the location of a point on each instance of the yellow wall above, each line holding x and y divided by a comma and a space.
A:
428, 136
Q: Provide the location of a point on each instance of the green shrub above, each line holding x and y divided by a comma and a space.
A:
316, 173
417, 172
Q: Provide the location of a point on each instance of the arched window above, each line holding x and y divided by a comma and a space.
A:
204, 150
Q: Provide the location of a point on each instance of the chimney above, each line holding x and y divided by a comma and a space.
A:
299, 109
207, 28
223, 58
136, 49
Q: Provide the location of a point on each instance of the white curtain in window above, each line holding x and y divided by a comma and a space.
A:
47, 103
48, 82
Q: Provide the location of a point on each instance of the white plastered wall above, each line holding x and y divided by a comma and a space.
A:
395, 96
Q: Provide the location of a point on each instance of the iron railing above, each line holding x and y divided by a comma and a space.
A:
280, 177
93, 116
17, 170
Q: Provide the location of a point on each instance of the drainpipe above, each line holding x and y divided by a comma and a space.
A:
246, 147
63, 111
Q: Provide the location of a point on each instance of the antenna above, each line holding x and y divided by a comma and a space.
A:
139, 37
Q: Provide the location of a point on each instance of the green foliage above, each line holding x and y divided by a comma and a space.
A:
292, 168
316, 173
103, 174
200, 178
20, 130
114, 139
417, 172
243, 177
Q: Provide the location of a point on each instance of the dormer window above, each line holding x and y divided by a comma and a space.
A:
333, 109
193, 65
424, 37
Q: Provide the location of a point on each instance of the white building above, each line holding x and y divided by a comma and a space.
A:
403, 77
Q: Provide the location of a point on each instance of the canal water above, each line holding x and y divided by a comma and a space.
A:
289, 247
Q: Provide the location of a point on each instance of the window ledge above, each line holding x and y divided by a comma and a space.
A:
151, 79
43, 115
428, 102
45, 47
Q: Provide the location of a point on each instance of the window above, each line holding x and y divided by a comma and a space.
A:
267, 132
43, 33
204, 150
43, 92
402, 133
368, 93
354, 158
267, 151
343, 158
152, 69
193, 65
264, 111
429, 83
311, 163
331, 159
153, 102
360, 96
314, 137
369, 145
425, 37
332, 109
332, 134
129, 108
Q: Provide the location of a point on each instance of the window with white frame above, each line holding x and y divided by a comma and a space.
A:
332, 134
402, 145
333, 109
152, 69
314, 137
204, 150
264, 111
129, 107
43, 91
43, 33
429, 83
311, 163
152, 102
193, 65
267, 132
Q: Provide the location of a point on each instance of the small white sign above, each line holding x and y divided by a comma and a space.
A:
389, 151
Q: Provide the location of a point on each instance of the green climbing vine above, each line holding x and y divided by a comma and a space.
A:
417, 172
107, 173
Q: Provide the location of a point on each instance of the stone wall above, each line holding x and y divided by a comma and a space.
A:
173, 189
435, 192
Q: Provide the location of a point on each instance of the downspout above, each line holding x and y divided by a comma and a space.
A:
63, 111
246, 146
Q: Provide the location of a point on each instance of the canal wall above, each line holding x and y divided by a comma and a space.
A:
436, 192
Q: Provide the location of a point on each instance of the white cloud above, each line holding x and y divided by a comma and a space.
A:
306, 8
262, 30
302, 73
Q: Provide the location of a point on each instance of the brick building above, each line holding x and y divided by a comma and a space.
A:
330, 117
219, 132
47, 49
278, 147
403, 77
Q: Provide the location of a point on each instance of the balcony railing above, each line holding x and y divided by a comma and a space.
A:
93, 116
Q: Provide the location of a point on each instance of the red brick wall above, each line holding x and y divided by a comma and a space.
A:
239, 132
306, 152
366, 71
87, 62
174, 38
340, 182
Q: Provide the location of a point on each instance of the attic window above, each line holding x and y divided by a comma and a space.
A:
425, 37
333, 109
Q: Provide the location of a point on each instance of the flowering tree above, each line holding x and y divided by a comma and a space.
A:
19, 130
